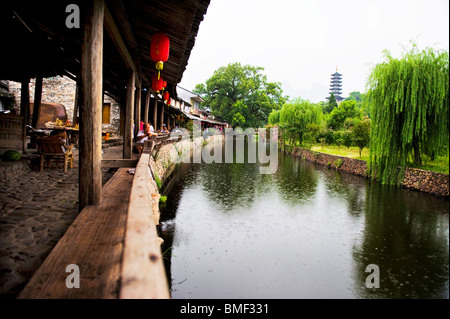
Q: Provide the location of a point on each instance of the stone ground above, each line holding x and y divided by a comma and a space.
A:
36, 208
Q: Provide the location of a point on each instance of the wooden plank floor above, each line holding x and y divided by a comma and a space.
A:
94, 242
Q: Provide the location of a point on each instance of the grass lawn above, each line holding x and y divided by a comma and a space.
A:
440, 165
352, 152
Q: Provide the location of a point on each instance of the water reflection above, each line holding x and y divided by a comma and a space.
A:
296, 180
304, 232
406, 235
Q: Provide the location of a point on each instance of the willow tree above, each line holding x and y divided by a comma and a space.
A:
408, 100
295, 116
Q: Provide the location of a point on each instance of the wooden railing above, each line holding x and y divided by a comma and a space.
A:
143, 274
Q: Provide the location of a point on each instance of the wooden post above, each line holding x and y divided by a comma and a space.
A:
37, 101
162, 115
90, 173
77, 103
155, 115
122, 119
137, 108
25, 108
147, 104
128, 133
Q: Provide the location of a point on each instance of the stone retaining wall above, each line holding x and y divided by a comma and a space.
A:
416, 179
164, 162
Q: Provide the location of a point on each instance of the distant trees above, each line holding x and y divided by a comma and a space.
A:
345, 110
409, 100
241, 95
295, 118
361, 134
330, 105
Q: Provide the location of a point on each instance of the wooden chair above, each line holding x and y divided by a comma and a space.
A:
55, 148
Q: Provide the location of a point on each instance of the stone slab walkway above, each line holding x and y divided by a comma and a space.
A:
36, 208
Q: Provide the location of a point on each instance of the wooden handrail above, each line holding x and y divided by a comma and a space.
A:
143, 274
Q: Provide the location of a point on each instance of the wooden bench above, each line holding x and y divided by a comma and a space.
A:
94, 242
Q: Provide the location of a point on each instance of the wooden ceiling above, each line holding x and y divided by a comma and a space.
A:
35, 39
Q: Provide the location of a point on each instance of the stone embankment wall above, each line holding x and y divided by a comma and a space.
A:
416, 179
164, 162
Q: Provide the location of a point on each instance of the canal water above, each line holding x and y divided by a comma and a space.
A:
304, 232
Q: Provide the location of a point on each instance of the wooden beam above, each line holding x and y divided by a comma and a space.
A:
128, 129
37, 101
90, 180
114, 34
118, 9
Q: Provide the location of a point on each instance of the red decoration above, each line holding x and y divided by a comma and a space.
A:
159, 49
166, 96
157, 83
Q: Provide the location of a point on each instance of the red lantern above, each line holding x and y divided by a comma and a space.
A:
159, 49
166, 96
157, 83
168, 101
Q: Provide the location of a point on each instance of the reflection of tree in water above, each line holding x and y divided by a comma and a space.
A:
296, 179
348, 187
408, 243
230, 185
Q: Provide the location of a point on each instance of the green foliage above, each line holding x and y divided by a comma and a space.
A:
345, 110
238, 120
312, 132
163, 199
338, 163
330, 105
361, 134
347, 137
241, 89
274, 117
408, 100
356, 96
328, 136
295, 117
157, 180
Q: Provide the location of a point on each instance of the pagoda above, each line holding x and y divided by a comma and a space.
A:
336, 86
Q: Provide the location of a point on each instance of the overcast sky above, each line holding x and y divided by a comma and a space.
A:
301, 42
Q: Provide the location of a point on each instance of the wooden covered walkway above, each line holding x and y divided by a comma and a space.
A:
107, 52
